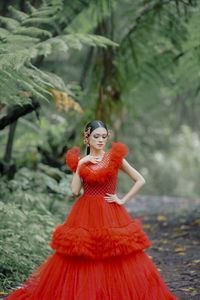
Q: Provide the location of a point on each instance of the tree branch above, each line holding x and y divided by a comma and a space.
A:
17, 112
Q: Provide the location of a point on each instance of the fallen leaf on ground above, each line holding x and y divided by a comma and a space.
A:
161, 218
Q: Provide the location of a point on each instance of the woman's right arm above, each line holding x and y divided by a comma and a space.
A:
76, 181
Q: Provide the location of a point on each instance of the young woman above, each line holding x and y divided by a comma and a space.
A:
99, 249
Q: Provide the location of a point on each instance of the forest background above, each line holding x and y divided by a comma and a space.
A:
133, 65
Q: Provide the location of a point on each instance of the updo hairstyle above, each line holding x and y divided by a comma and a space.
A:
89, 128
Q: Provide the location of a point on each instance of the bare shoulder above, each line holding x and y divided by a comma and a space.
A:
83, 159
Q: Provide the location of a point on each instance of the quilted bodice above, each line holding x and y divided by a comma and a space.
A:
109, 185
101, 189
99, 178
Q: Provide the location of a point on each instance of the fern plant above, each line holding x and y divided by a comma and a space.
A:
25, 37
150, 35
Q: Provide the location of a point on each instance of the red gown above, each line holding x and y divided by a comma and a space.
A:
99, 249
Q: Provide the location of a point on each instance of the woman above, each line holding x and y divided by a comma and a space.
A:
99, 249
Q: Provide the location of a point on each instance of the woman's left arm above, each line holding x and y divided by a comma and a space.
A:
135, 176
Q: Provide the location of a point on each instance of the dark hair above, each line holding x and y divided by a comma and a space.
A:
93, 125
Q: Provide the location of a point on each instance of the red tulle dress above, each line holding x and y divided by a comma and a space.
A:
99, 249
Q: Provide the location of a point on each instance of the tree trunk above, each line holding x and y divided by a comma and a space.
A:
9, 145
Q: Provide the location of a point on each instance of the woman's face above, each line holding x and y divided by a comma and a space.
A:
98, 138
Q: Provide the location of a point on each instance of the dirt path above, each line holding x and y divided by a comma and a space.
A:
173, 225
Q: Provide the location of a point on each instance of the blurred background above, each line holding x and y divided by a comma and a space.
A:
133, 64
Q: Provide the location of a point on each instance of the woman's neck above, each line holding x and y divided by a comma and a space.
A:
96, 152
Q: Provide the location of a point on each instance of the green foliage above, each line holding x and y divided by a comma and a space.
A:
24, 237
187, 74
30, 207
45, 179
187, 160
169, 162
164, 46
150, 35
22, 42
154, 39
90, 17
49, 134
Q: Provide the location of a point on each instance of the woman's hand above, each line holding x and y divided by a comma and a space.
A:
89, 158
113, 198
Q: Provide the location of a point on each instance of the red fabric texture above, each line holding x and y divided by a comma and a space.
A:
72, 157
99, 250
101, 242
131, 277
114, 157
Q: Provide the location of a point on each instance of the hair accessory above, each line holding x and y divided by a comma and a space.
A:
86, 134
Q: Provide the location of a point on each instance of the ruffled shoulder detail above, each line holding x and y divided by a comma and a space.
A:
119, 151
113, 161
72, 158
